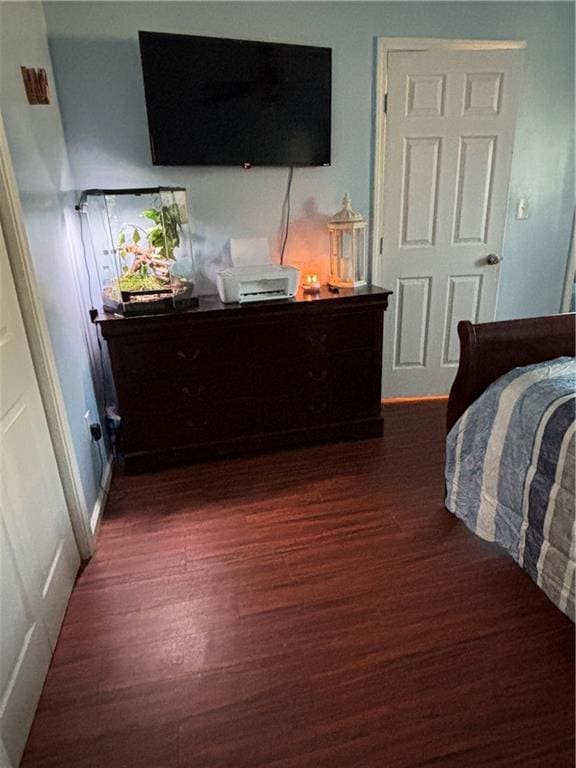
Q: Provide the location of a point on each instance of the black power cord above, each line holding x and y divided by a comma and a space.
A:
88, 276
93, 314
93, 311
286, 214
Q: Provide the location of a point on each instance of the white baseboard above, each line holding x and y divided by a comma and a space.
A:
100, 503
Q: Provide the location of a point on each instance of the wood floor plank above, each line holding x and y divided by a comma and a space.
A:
314, 608
81, 639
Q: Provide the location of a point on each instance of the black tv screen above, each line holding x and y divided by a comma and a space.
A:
213, 101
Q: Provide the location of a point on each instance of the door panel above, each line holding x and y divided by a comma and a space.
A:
463, 301
483, 93
425, 96
420, 180
449, 139
412, 322
39, 557
41, 530
474, 189
25, 653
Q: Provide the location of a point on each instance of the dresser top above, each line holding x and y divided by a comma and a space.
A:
210, 307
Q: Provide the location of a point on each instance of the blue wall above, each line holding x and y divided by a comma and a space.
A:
38, 152
96, 59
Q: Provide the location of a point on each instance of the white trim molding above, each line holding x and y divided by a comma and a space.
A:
385, 46
570, 274
12, 222
99, 505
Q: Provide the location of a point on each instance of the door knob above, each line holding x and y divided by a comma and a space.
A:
492, 259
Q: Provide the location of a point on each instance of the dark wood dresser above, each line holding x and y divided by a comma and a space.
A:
225, 379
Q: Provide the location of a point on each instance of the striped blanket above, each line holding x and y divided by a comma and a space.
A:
510, 472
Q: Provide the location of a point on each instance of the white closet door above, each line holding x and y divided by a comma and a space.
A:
38, 554
449, 139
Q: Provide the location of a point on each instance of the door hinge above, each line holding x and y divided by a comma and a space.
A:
385, 103
381, 245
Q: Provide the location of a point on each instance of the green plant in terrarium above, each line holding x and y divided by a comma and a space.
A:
165, 234
150, 266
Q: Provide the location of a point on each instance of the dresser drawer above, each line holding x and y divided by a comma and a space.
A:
288, 413
322, 390
183, 389
205, 422
170, 375
323, 335
158, 357
345, 375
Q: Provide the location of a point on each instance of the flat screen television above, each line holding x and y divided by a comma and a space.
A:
212, 101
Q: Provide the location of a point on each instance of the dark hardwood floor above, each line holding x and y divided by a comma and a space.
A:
314, 608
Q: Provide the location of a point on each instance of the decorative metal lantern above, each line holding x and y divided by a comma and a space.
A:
347, 247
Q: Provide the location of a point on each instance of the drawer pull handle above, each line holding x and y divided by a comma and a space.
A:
183, 356
316, 339
199, 388
318, 407
318, 375
195, 424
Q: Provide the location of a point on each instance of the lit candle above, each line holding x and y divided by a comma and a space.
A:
311, 283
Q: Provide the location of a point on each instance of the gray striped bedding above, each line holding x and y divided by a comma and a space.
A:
510, 472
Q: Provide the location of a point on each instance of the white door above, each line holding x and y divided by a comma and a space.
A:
38, 554
449, 139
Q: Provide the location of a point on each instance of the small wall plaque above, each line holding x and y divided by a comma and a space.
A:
36, 85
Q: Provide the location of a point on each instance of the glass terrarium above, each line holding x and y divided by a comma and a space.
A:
142, 249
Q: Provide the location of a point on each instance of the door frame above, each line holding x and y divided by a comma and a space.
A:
12, 224
386, 45
570, 274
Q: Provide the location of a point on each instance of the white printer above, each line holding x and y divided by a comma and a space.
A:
253, 277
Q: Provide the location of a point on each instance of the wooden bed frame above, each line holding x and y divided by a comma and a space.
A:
489, 350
